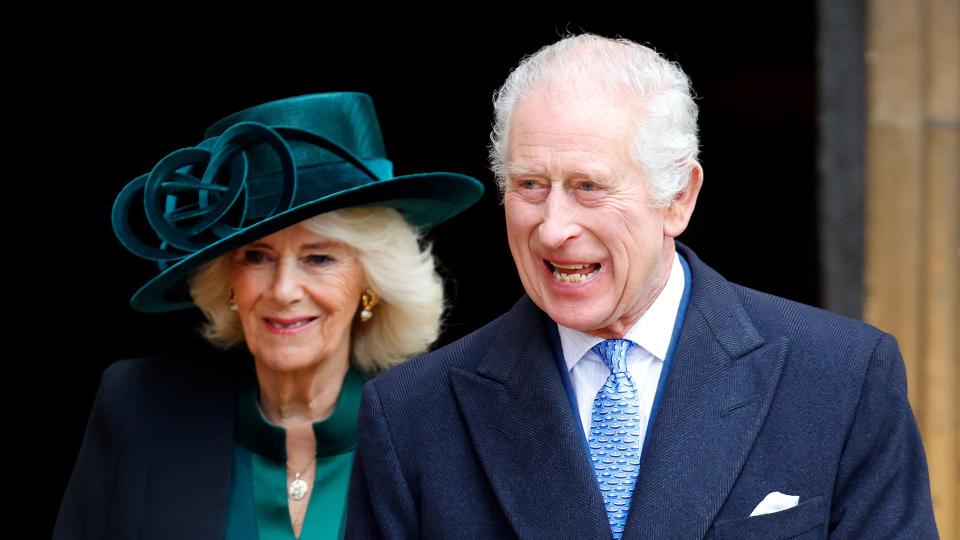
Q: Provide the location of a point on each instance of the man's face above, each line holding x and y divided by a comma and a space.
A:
590, 250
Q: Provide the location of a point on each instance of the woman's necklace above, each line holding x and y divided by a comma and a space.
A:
297, 488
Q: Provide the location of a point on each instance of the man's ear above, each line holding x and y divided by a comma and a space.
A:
677, 215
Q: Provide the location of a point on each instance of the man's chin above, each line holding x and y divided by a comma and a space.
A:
569, 317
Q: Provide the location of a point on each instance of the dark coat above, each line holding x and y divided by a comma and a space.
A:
478, 439
157, 456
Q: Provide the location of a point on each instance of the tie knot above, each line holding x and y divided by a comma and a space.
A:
613, 352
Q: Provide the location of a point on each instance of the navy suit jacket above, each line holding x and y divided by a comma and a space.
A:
478, 439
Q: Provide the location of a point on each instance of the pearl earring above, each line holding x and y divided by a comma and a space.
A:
368, 300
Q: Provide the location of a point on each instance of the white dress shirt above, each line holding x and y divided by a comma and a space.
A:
651, 334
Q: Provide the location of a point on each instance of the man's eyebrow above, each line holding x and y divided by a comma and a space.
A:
598, 174
520, 170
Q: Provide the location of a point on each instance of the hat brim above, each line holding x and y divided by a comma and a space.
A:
424, 200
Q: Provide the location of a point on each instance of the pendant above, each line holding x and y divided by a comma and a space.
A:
297, 488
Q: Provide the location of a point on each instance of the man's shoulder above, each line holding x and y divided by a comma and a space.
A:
432, 369
826, 333
778, 314
774, 315
820, 344
815, 336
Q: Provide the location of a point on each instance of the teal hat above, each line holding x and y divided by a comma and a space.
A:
264, 169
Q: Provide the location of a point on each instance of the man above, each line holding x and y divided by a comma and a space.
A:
633, 393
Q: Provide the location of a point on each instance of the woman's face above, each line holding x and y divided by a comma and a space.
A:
296, 293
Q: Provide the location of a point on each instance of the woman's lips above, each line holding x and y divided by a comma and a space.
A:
286, 326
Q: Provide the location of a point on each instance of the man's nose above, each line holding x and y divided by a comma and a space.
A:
559, 219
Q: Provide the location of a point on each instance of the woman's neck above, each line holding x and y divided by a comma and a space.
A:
292, 399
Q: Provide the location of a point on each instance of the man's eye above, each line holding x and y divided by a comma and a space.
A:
528, 184
253, 256
588, 186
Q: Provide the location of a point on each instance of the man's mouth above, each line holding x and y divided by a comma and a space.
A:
573, 273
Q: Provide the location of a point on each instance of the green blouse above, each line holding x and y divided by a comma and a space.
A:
257, 508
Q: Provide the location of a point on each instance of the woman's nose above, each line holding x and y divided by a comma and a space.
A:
287, 281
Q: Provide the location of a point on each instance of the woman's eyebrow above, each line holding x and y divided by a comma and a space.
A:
326, 244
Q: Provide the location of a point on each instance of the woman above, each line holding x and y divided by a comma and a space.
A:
288, 230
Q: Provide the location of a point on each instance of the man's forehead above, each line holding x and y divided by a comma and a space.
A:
544, 153
571, 121
561, 96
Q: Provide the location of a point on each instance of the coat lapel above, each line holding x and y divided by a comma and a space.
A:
525, 435
717, 395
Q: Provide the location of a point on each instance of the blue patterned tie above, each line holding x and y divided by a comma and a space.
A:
615, 434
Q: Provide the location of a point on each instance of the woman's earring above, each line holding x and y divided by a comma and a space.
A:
232, 302
368, 299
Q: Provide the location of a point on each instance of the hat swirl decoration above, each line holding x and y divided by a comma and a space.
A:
264, 169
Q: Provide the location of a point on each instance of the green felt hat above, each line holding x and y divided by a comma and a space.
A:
264, 169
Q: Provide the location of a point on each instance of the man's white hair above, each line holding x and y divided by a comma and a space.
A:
665, 144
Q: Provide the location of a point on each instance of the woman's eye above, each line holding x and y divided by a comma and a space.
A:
253, 256
319, 259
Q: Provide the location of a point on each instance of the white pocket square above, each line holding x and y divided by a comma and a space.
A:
775, 502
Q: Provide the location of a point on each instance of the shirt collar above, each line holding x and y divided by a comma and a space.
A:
652, 331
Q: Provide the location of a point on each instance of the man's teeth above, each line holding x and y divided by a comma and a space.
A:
573, 277
297, 324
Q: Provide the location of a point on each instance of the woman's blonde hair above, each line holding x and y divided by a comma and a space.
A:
406, 321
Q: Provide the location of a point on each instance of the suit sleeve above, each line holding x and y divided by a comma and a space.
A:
85, 509
380, 501
883, 490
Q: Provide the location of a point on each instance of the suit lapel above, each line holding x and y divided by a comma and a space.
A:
716, 398
525, 435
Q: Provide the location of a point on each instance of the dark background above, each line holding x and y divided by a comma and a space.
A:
102, 106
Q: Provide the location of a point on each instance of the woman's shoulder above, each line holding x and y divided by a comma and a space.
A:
169, 373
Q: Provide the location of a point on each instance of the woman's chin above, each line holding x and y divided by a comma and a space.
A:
284, 361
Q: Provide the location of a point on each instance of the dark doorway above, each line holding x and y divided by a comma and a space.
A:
105, 106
